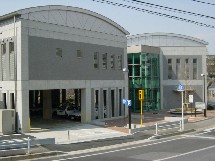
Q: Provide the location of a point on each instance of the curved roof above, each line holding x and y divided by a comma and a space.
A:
172, 36
42, 14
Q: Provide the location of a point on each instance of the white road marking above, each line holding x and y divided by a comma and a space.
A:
197, 136
175, 156
134, 147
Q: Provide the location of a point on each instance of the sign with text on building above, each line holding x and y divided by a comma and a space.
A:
200, 105
191, 98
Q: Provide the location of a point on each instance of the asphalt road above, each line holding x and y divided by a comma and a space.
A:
193, 147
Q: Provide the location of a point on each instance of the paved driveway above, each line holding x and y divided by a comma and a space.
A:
67, 131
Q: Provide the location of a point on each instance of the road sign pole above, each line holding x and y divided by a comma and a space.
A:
129, 114
182, 110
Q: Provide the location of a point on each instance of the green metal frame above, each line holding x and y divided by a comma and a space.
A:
145, 74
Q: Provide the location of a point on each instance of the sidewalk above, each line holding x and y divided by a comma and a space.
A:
113, 132
151, 118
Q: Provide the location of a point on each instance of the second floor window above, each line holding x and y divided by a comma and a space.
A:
11, 47
178, 68
119, 60
3, 61
59, 52
96, 60
194, 68
112, 61
186, 69
104, 61
79, 53
169, 68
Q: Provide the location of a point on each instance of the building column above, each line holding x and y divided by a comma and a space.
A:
47, 104
86, 105
22, 109
109, 106
101, 104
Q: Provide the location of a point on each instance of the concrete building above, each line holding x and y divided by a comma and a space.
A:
182, 60
48, 50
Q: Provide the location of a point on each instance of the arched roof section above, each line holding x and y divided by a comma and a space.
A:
71, 17
164, 39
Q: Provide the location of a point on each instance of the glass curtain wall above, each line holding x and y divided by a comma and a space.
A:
144, 74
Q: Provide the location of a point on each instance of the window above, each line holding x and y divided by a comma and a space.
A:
194, 68
104, 61
11, 47
79, 53
119, 60
178, 69
186, 69
169, 68
96, 60
3, 47
112, 61
3, 59
12, 57
59, 52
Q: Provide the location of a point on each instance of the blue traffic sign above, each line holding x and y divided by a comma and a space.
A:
180, 88
129, 102
124, 101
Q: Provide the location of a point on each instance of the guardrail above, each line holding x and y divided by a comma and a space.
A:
21, 146
161, 127
168, 126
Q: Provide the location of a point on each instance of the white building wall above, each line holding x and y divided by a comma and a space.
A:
60, 23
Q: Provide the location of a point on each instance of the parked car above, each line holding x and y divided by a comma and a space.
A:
66, 109
76, 115
211, 106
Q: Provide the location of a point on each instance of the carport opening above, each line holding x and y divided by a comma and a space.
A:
56, 104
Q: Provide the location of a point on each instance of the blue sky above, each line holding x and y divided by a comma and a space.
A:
137, 22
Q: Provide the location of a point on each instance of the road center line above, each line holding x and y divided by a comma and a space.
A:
175, 156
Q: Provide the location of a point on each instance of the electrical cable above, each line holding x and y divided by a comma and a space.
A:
167, 8
153, 12
213, 4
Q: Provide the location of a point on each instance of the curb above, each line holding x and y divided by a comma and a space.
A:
31, 156
174, 134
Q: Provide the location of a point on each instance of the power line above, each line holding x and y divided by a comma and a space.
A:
154, 13
168, 8
213, 4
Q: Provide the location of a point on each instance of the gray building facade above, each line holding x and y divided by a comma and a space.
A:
182, 61
54, 48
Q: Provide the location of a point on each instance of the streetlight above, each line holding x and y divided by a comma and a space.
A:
125, 70
203, 75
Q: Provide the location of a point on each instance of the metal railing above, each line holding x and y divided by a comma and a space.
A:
162, 127
22, 145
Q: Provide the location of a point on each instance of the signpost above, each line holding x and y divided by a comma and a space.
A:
181, 89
